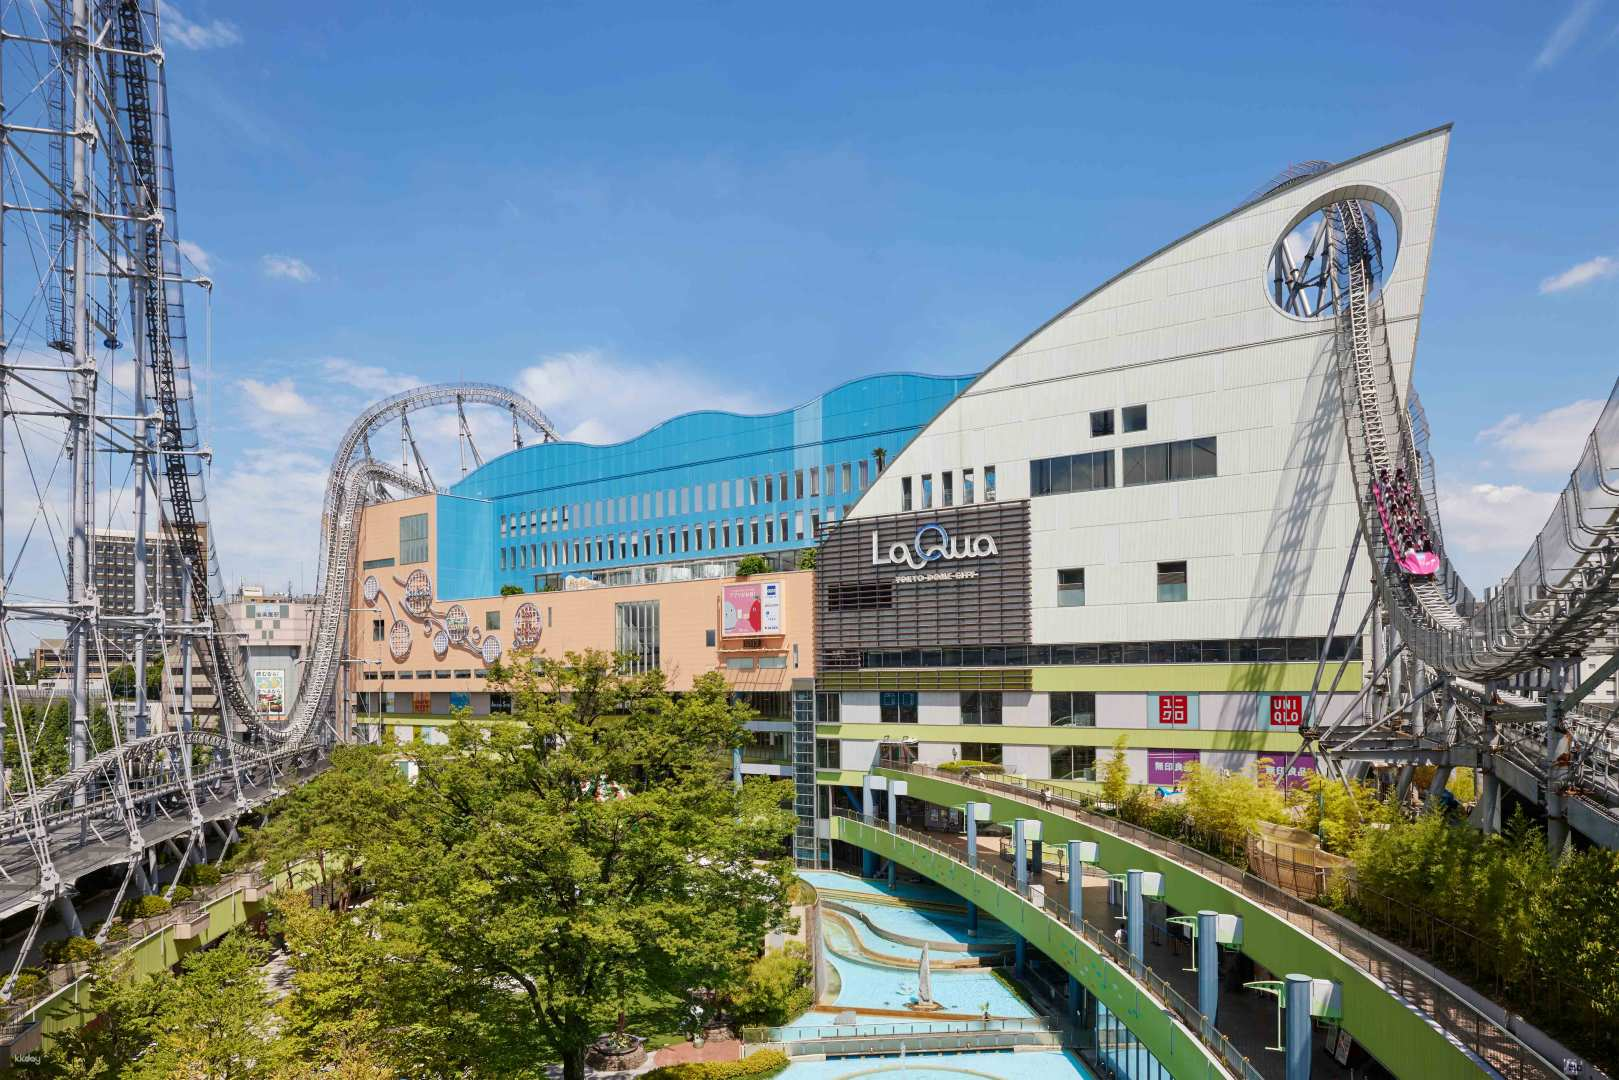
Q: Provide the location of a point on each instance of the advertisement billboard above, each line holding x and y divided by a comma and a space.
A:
1164, 767
270, 684
751, 608
1286, 710
1172, 710
1272, 765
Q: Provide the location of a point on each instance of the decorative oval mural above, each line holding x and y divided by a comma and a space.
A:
490, 648
399, 640
372, 588
456, 623
418, 592
526, 627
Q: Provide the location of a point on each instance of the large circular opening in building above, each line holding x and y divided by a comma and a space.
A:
1322, 261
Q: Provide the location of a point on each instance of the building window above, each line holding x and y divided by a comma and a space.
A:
491, 620
1071, 588
378, 630
1073, 472
828, 754
637, 635
927, 491
966, 487
1073, 763
1171, 582
1134, 418
897, 706
1101, 423
948, 489
828, 709
989, 483
412, 539
376, 564
500, 704
1188, 459
981, 707
988, 752
905, 493
1073, 708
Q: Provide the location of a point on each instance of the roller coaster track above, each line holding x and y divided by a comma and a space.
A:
116, 806
1561, 598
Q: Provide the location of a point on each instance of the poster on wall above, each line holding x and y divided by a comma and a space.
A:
270, 684
1271, 767
1172, 711
751, 609
1286, 710
1165, 767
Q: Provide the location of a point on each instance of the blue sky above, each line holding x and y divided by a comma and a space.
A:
631, 210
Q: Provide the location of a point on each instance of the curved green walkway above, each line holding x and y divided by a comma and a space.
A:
1390, 1029
1171, 1043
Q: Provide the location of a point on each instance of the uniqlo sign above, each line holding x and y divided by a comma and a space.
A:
1286, 710
1173, 709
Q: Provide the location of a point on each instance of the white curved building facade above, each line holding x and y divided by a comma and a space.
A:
1175, 440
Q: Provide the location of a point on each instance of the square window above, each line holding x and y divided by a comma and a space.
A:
1171, 582
1071, 588
981, 707
1101, 423
897, 707
1134, 418
989, 753
491, 620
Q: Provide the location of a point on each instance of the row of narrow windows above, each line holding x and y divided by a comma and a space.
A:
800, 525
848, 478
918, 493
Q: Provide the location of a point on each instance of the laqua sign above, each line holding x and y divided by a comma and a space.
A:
932, 544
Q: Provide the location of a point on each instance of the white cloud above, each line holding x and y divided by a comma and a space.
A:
199, 258
288, 267
593, 397
1488, 527
1565, 34
267, 504
279, 399
1548, 442
1580, 274
211, 34
373, 379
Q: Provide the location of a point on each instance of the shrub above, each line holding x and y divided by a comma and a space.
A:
144, 907
180, 895
968, 765
30, 981
777, 988
758, 1063
511, 590
806, 559
69, 950
752, 564
116, 932
203, 874
1116, 775
1227, 807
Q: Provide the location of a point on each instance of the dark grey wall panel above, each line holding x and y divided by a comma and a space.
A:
976, 599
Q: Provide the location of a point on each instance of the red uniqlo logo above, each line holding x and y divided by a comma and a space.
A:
1172, 709
1286, 710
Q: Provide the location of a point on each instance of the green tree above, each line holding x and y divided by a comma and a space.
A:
806, 558
329, 821
215, 1022
1226, 807
595, 851
1116, 775
749, 565
121, 681
777, 987
129, 1008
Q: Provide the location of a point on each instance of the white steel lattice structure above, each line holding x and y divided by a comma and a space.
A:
100, 428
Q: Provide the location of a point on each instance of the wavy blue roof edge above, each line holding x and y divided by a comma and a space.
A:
772, 414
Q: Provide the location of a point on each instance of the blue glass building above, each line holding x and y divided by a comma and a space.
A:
687, 498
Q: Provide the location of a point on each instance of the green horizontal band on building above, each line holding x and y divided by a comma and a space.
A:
1014, 735
1392, 1031
929, 679
1185, 678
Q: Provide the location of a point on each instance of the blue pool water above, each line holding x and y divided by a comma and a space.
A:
1028, 1065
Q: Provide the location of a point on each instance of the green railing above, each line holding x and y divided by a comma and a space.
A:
1479, 1033
1221, 1056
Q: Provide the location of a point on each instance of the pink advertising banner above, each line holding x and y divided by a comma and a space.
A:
1164, 767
